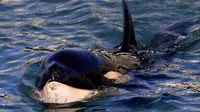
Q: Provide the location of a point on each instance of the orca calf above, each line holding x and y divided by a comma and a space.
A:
71, 75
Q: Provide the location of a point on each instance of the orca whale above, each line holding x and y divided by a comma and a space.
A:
85, 68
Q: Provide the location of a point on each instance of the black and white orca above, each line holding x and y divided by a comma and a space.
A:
71, 74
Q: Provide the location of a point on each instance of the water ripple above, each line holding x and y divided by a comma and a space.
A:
31, 29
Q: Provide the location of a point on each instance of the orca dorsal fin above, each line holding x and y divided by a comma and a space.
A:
129, 43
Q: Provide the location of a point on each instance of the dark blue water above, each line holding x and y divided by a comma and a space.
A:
32, 29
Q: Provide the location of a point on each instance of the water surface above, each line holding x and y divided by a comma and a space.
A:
32, 29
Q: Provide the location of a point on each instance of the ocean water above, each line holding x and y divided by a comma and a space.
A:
32, 29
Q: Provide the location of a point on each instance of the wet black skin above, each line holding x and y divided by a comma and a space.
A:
77, 68
86, 68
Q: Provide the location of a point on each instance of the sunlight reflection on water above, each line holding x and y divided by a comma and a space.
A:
31, 29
